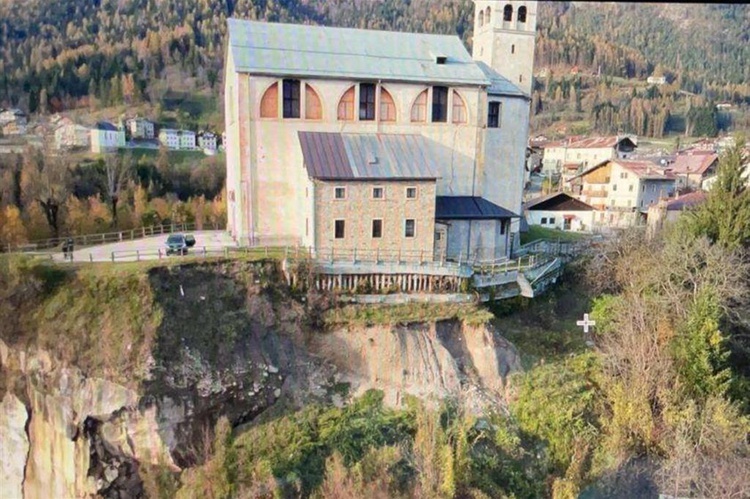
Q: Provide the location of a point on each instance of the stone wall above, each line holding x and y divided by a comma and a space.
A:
359, 209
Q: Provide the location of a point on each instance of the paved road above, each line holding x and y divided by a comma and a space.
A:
126, 250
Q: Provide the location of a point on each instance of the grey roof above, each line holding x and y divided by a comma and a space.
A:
469, 208
317, 51
103, 125
500, 85
339, 156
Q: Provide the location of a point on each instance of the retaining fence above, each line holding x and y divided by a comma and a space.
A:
105, 237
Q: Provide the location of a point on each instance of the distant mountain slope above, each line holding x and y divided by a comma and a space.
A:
64, 53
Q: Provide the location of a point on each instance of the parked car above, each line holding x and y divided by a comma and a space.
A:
177, 244
190, 240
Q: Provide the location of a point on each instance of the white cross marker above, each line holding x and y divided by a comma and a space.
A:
586, 323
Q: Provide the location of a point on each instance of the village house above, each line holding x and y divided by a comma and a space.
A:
70, 135
106, 137
177, 139
668, 210
357, 139
570, 157
693, 167
560, 211
140, 128
656, 80
207, 141
621, 191
13, 122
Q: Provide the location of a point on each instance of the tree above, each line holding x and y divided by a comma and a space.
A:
119, 170
46, 180
725, 216
12, 230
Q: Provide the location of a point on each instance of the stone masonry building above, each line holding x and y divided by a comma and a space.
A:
425, 143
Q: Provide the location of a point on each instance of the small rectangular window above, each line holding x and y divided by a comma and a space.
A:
544, 220
438, 236
493, 118
339, 229
552, 221
411, 193
614, 187
630, 188
377, 229
439, 104
378, 193
410, 226
366, 101
339, 192
291, 98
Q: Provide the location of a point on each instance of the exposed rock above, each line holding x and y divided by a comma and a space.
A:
14, 445
431, 361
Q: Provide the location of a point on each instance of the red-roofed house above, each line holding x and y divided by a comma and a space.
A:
666, 211
693, 167
584, 152
622, 190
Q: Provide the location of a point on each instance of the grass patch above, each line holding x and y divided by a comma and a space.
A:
390, 315
537, 233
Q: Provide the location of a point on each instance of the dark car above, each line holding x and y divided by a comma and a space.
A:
177, 244
190, 240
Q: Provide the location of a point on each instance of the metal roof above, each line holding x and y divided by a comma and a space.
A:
316, 51
469, 208
104, 125
500, 85
340, 156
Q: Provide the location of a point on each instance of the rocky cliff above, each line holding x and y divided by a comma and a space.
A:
106, 375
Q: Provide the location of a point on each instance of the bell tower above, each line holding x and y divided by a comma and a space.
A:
504, 37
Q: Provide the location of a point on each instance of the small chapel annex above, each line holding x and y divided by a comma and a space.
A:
358, 139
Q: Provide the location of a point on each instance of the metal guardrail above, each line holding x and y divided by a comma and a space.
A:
105, 237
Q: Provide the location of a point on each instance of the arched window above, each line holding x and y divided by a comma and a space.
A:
522, 14
269, 104
508, 13
313, 108
459, 109
419, 108
481, 18
387, 106
488, 15
346, 106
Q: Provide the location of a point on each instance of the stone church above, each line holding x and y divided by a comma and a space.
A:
359, 139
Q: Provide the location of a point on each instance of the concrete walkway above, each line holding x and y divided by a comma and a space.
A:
125, 251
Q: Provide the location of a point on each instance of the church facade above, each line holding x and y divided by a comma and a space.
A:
342, 138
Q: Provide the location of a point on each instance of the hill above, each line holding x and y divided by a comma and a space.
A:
101, 53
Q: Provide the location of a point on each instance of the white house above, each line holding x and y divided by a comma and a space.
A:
69, 135
187, 139
560, 211
140, 128
207, 141
371, 139
622, 191
177, 139
106, 137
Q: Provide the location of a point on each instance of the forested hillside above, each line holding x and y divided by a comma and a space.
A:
72, 53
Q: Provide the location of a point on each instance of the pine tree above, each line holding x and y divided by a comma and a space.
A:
725, 216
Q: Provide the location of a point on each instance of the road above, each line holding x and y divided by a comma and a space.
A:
125, 251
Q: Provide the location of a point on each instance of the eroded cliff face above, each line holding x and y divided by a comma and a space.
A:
431, 361
226, 345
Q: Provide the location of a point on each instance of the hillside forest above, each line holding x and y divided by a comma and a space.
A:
592, 60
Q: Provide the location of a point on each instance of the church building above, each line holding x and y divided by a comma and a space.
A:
341, 138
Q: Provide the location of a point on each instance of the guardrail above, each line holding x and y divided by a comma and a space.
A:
105, 237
